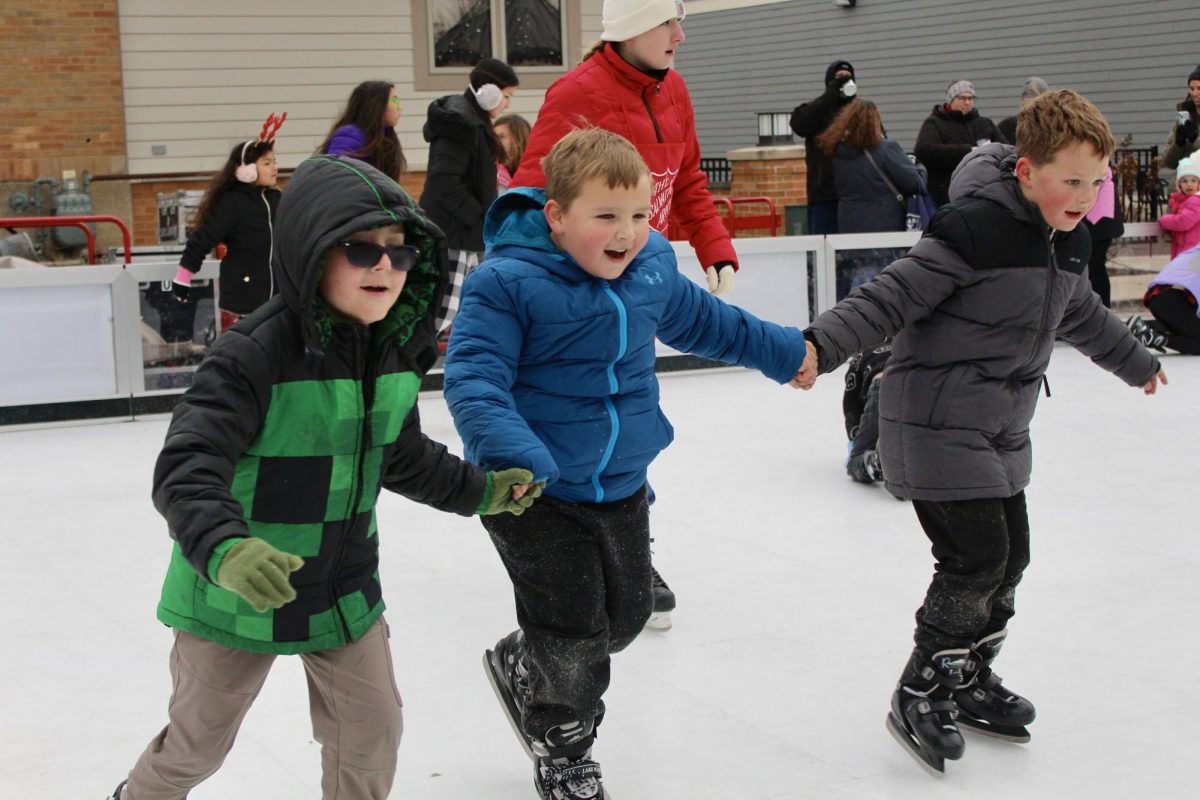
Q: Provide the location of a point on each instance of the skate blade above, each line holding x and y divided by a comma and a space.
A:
511, 713
934, 765
659, 621
1009, 733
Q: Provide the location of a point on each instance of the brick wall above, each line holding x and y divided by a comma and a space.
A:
61, 105
776, 172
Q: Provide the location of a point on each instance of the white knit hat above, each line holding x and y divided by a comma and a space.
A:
624, 19
1187, 166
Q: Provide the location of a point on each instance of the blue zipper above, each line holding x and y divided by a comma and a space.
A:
623, 319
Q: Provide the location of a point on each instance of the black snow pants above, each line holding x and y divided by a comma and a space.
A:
981, 548
581, 577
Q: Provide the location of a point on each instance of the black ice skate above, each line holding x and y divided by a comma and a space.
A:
569, 779
664, 602
923, 708
116, 795
986, 707
1147, 334
506, 671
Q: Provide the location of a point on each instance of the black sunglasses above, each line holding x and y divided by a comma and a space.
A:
368, 254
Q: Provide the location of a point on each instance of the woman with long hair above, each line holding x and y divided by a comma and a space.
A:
869, 171
460, 182
366, 129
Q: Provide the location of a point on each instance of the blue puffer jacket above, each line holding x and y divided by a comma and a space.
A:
552, 369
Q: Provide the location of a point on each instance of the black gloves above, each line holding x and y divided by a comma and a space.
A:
181, 285
1186, 132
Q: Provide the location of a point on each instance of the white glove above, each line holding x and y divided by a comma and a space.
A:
720, 282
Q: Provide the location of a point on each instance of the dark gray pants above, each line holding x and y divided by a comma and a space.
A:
982, 549
581, 577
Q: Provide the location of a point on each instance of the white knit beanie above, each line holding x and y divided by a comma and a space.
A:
1187, 166
624, 19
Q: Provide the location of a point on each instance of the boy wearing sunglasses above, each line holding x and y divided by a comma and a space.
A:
268, 479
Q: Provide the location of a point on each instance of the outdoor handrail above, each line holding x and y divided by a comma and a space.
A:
79, 221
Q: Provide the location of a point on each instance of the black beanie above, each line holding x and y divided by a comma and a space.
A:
834, 67
1195, 76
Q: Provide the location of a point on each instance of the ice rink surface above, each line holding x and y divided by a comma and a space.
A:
796, 591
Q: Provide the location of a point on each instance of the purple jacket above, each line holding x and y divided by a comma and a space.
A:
1182, 270
348, 140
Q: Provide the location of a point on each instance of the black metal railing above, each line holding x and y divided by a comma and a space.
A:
720, 174
1141, 193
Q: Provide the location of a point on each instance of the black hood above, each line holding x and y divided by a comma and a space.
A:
834, 67
454, 117
327, 199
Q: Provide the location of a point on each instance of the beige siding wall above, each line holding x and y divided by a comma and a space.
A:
201, 77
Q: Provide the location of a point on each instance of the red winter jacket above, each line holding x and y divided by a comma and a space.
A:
656, 116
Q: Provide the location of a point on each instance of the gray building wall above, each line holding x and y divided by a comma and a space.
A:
1131, 58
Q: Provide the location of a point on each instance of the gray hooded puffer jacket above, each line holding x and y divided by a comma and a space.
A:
974, 308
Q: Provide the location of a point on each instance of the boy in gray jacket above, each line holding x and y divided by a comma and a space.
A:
974, 308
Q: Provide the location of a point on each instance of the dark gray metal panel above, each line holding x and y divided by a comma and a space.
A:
1131, 58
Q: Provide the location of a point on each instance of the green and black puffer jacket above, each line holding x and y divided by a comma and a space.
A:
295, 422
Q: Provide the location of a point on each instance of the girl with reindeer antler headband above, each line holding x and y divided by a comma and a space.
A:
238, 211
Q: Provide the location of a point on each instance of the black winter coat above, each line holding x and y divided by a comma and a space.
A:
242, 220
975, 307
810, 120
460, 183
865, 202
945, 138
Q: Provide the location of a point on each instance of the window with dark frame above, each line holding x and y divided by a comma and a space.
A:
465, 31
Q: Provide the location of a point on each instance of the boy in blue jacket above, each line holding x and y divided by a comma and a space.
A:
551, 368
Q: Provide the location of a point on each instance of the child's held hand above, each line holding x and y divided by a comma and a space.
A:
1152, 386
806, 376
259, 573
513, 491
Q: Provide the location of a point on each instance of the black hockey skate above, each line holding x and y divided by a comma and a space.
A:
984, 706
569, 779
116, 795
664, 602
509, 677
923, 708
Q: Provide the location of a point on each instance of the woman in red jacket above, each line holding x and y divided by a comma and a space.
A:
626, 85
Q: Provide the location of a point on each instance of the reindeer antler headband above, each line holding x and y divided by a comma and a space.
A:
271, 127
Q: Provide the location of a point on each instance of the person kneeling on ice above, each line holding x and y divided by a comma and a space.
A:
974, 308
551, 368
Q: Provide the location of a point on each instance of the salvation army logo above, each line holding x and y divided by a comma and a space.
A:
661, 194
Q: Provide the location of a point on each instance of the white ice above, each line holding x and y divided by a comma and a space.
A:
796, 592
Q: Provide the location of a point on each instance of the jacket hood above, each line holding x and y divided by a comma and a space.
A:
454, 117
517, 220
989, 172
833, 68
327, 199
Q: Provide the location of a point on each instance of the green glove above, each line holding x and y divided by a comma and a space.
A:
501, 499
259, 573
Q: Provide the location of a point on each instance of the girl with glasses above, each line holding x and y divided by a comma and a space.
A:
366, 129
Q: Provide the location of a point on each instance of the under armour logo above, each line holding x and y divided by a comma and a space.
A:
652, 277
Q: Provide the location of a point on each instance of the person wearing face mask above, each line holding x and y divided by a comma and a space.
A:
810, 120
626, 85
954, 129
460, 181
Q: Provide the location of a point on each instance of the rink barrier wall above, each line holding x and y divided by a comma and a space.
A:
76, 342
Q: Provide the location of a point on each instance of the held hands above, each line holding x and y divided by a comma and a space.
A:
720, 277
513, 490
259, 573
181, 285
1152, 386
806, 376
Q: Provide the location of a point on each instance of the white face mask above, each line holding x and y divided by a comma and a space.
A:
849, 88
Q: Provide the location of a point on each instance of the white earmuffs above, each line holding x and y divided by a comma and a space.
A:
246, 173
487, 96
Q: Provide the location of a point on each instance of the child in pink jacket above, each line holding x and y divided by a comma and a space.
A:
1184, 219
